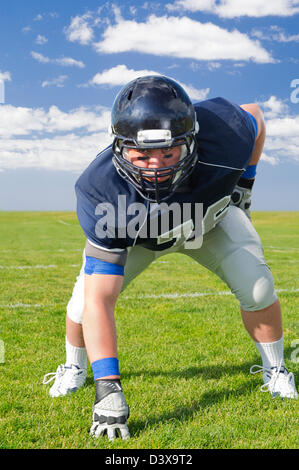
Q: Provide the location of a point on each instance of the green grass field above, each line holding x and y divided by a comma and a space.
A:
184, 362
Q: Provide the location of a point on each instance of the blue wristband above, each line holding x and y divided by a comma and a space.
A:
250, 172
105, 367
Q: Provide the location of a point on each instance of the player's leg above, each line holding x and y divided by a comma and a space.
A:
71, 376
265, 325
234, 252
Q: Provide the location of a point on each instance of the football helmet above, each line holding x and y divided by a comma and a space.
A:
154, 112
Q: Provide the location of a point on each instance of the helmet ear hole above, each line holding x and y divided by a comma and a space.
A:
130, 94
174, 92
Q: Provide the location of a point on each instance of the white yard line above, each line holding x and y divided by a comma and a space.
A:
151, 296
282, 261
194, 294
39, 266
59, 250
62, 222
279, 249
21, 305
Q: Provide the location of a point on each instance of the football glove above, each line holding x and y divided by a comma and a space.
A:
110, 411
241, 196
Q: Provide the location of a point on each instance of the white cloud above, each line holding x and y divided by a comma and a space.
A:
20, 121
40, 57
69, 62
282, 132
284, 127
272, 160
237, 8
58, 81
213, 65
70, 153
274, 107
41, 40
181, 37
133, 10
64, 61
26, 29
52, 139
121, 75
38, 17
117, 13
191, 5
80, 29
275, 33
196, 94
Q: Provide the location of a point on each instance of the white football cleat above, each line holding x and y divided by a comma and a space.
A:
110, 414
68, 379
277, 380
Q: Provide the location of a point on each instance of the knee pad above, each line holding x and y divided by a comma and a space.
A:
250, 280
75, 305
261, 293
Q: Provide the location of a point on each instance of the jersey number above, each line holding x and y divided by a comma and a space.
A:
215, 213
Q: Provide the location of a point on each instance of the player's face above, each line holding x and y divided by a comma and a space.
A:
154, 158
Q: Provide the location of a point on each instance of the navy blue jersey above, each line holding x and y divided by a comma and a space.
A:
226, 141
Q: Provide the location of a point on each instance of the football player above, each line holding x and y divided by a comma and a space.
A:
166, 153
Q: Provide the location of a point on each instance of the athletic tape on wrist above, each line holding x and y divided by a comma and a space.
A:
105, 367
250, 172
246, 183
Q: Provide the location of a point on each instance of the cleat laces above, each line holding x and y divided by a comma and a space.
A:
280, 382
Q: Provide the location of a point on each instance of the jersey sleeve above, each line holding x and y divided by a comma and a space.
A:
227, 133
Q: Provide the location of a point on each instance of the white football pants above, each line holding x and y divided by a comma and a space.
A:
232, 250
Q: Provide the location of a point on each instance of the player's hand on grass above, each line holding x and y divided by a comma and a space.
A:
111, 430
110, 411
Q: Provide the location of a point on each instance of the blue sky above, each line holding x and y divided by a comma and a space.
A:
62, 63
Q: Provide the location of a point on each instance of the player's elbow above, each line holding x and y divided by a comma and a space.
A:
262, 125
255, 110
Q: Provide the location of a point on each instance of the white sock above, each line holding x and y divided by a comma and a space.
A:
75, 355
271, 353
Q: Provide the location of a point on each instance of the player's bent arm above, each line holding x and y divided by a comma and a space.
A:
241, 196
101, 292
257, 113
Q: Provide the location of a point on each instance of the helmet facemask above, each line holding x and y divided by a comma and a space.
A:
146, 180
